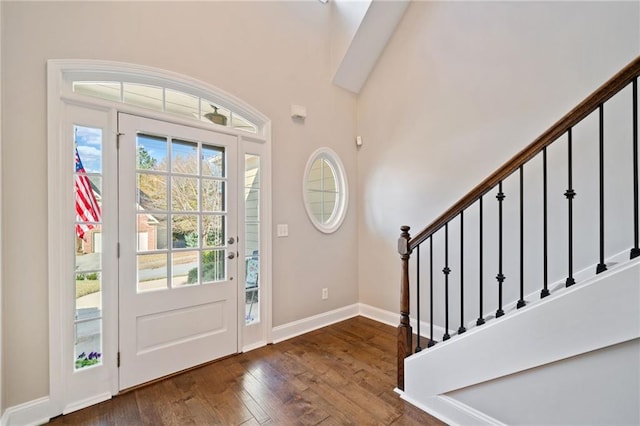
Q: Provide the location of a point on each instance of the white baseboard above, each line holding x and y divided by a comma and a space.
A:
36, 412
380, 315
305, 325
393, 319
253, 346
79, 405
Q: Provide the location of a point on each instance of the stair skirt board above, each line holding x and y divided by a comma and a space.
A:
451, 412
556, 288
603, 312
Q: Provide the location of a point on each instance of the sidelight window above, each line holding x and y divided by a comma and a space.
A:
88, 247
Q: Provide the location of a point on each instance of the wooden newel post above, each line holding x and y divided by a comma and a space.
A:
404, 329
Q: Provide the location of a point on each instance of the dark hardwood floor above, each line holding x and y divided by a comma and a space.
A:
341, 374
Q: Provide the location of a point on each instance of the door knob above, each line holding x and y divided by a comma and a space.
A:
231, 255
231, 240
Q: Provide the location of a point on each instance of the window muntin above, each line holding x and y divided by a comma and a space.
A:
87, 322
325, 191
164, 99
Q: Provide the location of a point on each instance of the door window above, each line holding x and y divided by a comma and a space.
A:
180, 199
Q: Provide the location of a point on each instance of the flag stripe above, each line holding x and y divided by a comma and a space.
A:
87, 207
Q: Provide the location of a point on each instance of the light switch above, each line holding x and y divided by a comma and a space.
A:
283, 230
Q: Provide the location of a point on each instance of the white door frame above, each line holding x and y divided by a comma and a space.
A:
60, 74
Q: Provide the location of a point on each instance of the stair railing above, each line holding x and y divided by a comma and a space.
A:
407, 244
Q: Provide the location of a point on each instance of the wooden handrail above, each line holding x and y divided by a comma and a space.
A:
586, 107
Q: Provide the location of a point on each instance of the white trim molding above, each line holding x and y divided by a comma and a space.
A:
60, 97
393, 319
305, 325
451, 412
36, 412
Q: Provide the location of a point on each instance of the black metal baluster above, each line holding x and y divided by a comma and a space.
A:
480, 320
635, 251
431, 341
521, 302
601, 266
500, 277
570, 194
545, 242
462, 329
446, 272
418, 348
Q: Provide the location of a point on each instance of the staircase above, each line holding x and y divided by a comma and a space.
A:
538, 267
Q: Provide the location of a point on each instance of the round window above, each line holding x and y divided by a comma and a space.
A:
325, 190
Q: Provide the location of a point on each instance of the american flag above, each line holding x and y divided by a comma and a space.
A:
87, 208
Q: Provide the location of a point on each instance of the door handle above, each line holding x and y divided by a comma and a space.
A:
231, 255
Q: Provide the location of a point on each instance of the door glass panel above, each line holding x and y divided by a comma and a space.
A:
152, 271
184, 157
151, 231
184, 194
184, 266
213, 195
213, 266
213, 230
252, 238
151, 153
184, 231
88, 247
172, 231
151, 192
212, 164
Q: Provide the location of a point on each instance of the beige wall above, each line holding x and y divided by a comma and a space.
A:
268, 54
460, 88
459, 83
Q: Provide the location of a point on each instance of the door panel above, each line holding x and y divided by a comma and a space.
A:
178, 296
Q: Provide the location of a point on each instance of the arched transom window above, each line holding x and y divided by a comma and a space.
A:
164, 99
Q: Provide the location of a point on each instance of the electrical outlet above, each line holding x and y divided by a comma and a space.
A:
325, 293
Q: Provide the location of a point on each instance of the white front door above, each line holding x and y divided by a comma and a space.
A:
177, 285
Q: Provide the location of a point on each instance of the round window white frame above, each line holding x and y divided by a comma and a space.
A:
340, 210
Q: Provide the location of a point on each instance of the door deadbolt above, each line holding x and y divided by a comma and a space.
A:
231, 240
